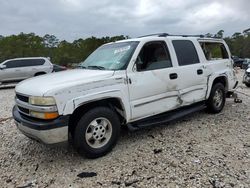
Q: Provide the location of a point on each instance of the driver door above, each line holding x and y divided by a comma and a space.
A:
152, 83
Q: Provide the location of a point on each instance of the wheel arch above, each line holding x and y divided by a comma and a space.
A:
222, 78
39, 73
114, 103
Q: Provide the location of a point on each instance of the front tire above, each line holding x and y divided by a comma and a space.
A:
217, 98
97, 132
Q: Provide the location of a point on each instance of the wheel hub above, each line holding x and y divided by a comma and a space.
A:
98, 132
218, 98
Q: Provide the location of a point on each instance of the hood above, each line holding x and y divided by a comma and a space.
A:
39, 85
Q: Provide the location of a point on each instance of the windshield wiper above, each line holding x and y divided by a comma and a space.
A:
81, 67
96, 67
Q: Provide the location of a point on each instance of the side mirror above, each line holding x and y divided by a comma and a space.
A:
2, 67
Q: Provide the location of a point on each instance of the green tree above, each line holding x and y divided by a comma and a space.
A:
60, 52
50, 41
22, 45
219, 34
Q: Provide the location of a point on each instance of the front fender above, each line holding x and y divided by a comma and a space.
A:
73, 104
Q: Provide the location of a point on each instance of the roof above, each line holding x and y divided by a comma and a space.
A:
23, 58
165, 35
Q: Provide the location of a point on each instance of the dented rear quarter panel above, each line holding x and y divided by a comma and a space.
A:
219, 68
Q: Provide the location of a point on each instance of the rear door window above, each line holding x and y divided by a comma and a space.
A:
185, 52
214, 50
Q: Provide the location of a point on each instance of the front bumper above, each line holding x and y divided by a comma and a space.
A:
48, 132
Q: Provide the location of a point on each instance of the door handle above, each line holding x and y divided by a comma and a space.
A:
173, 76
199, 71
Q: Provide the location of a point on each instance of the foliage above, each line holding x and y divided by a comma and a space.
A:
68, 53
239, 43
60, 52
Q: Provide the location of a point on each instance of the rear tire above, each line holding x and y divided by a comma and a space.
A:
97, 132
217, 98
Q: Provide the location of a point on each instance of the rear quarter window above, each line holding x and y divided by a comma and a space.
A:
185, 52
214, 51
33, 62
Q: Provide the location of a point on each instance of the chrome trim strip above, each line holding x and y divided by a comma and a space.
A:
36, 108
154, 100
195, 89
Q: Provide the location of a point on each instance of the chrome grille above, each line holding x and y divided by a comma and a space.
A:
22, 98
23, 110
25, 106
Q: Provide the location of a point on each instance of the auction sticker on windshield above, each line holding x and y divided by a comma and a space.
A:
123, 49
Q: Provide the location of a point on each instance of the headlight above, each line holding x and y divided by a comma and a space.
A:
44, 115
43, 101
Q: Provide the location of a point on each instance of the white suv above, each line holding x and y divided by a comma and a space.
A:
137, 83
15, 70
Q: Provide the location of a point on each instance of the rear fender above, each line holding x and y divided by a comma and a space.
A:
212, 78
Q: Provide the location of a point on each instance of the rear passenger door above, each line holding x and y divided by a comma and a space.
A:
192, 76
33, 66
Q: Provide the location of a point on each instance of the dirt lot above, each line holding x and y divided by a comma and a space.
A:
202, 150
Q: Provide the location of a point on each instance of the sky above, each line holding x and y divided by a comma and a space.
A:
73, 19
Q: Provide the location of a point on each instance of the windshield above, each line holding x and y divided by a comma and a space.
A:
115, 56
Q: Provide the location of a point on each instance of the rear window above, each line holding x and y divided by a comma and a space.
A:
214, 50
185, 52
33, 62
24, 63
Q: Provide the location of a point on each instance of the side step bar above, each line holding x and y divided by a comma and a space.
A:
165, 117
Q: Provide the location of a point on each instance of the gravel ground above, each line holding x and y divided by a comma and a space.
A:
202, 150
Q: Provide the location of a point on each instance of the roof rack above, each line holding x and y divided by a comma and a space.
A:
156, 34
201, 36
166, 35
